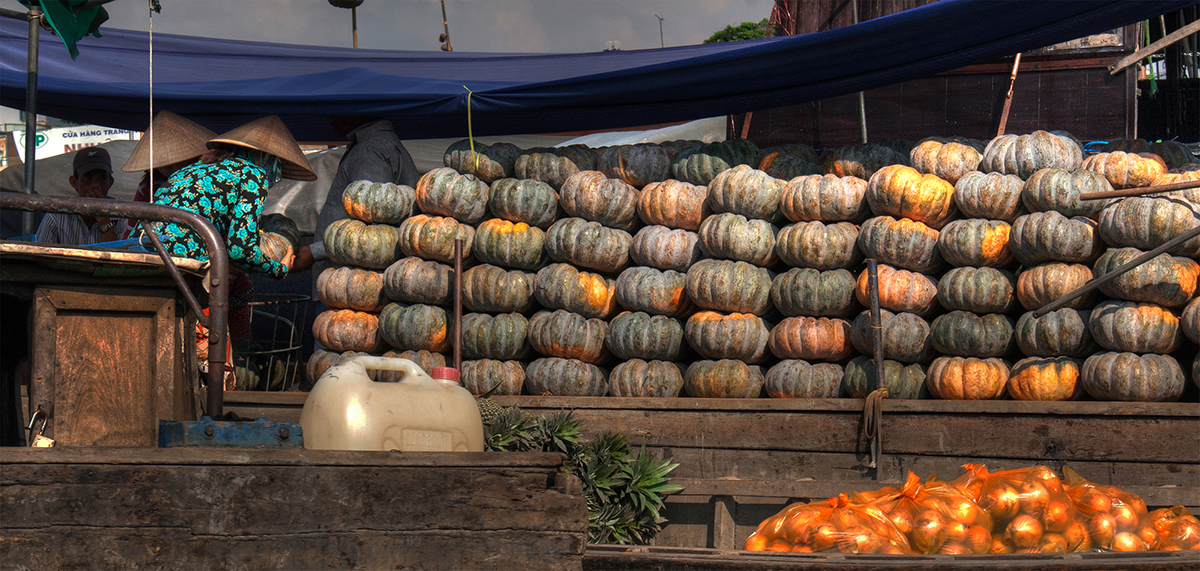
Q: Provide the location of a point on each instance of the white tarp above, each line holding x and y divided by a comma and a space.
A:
60, 140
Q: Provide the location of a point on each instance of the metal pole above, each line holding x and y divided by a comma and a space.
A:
862, 103
31, 81
661, 43
354, 23
446, 26
457, 332
1012, 80
1139, 191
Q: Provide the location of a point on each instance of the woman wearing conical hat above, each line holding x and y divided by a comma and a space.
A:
178, 142
228, 186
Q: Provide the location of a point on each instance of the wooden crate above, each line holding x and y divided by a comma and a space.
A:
193, 508
742, 460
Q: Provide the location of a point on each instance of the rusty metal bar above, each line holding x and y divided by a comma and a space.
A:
876, 321
218, 301
1139, 191
1012, 81
193, 304
31, 82
1099, 281
457, 332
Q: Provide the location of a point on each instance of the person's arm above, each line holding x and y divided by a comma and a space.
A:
242, 238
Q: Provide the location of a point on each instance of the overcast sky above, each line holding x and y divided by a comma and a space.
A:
554, 26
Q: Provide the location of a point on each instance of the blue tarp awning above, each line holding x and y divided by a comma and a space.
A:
222, 83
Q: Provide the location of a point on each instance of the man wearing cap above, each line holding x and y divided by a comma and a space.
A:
374, 153
91, 178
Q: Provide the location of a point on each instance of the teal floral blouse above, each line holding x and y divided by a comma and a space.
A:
230, 194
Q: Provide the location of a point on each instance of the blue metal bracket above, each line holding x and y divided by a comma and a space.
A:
260, 433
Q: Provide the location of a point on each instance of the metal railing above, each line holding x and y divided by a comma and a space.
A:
218, 302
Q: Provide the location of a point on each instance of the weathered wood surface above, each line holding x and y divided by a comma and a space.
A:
620, 558
183, 508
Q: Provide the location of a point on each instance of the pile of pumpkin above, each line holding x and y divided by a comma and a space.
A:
1027, 510
661, 269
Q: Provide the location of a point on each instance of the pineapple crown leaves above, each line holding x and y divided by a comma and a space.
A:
647, 482
559, 432
510, 431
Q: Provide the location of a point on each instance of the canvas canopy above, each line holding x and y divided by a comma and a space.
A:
222, 83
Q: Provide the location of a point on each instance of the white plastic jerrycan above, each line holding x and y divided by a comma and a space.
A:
346, 410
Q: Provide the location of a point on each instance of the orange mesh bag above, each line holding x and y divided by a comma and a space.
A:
1116, 520
935, 517
836, 524
1177, 529
1030, 509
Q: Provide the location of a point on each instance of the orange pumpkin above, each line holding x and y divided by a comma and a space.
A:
1126, 170
948, 160
811, 338
900, 291
902, 191
348, 330
1045, 379
674, 204
967, 378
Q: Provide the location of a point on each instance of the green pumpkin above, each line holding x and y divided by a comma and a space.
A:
787, 167
746, 191
1191, 320
902, 243
350, 242
729, 286
674, 204
741, 336
378, 202
976, 242
1165, 280
509, 245
1060, 333
815, 293
1114, 376
588, 245
824, 198
432, 237
1135, 327
491, 289
732, 236
965, 334
819, 245
1147, 222
413, 280
1042, 284
568, 335
351, 288
639, 378
665, 248
1023, 155
978, 290
990, 195
1059, 189
902, 381
521, 200
610, 201
482, 375
274, 246
488, 163
638, 335
725, 378
798, 379
638, 165
562, 286
1051, 237
501, 336
700, 165
657, 292
905, 336
558, 377
415, 327
553, 166
445, 192
862, 160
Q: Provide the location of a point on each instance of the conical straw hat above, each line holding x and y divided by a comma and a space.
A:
270, 135
176, 139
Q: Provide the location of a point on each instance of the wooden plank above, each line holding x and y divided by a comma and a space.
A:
194, 456
134, 548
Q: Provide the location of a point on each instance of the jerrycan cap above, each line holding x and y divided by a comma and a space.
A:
445, 374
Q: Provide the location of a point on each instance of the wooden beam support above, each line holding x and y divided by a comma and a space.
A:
1154, 47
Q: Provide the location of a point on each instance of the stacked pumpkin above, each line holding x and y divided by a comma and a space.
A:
649, 335
1139, 325
365, 245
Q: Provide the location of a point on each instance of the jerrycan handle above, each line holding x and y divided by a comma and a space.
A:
411, 370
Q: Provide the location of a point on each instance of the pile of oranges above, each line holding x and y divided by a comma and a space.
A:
1027, 510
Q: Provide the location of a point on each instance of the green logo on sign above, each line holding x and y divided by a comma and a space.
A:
40, 139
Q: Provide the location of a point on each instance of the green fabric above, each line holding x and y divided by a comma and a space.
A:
69, 26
